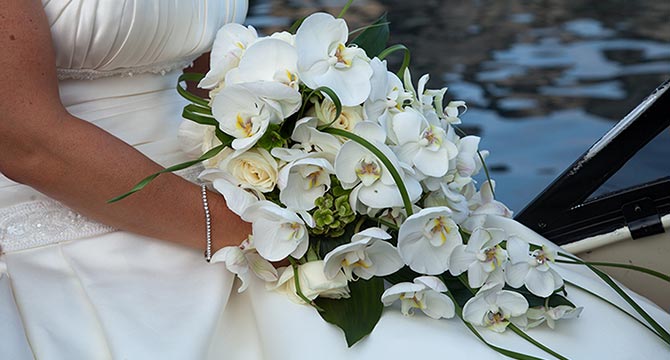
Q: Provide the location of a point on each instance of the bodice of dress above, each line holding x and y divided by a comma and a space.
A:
96, 38
118, 63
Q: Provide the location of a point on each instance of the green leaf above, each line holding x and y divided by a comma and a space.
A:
188, 95
271, 139
405, 60
405, 274
191, 112
373, 39
358, 315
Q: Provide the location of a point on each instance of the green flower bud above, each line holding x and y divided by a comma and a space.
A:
342, 206
335, 224
323, 217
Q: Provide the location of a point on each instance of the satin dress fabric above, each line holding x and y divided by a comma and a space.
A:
71, 288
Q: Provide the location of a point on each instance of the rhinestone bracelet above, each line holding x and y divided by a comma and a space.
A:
208, 222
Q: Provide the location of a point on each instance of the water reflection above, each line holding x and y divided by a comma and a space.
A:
544, 79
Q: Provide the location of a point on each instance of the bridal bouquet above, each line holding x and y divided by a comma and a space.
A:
362, 181
355, 174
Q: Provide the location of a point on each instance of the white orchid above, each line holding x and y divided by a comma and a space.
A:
493, 307
422, 100
284, 36
277, 232
313, 283
302, 181
426, 240
430, 102
244, 260
309, 141
387, 94
229, 45
267, 60
425, 293
367, 255
238, 199
483, 257
243, 115
325, 60
484, 203
421, 144
357, 167
538, 315
455, 201
468, 162
531, 268
452, 111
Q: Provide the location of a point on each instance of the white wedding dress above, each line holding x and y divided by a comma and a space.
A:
73, 289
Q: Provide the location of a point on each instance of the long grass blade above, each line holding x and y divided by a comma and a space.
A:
502, 351
187, 94
406, 56
641, 269
144, 182
612, 304
407, 203
608, 280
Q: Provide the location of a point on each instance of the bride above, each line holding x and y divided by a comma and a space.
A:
89, 108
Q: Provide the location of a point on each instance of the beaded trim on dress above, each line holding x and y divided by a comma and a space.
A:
39, 223
43, 222
91, 74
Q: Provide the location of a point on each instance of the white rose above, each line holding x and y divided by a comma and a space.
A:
326, 111
253, 169
196, 139
191, 136
313, 283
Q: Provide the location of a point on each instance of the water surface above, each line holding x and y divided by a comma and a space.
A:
543, 79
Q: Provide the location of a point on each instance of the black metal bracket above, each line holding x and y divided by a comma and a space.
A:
564, 213
642, 218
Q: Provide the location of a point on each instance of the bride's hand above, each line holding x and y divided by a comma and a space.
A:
79, 164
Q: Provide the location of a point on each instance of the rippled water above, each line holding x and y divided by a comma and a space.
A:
543, 79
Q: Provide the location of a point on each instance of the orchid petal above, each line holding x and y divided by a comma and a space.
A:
511, 303
515, 274
540, 283
438, 305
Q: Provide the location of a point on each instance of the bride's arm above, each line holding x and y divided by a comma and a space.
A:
79, 164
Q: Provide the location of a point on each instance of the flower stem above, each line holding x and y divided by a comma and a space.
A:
386, 223
344, 9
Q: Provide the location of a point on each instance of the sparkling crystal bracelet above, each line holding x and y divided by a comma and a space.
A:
208, 222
